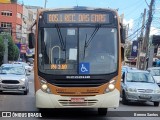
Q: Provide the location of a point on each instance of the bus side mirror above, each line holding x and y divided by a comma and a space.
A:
122, 53
31, 39
123, 34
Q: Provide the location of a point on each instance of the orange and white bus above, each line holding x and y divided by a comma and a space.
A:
77, 58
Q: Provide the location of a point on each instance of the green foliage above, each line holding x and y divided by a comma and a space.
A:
16, 56
128, 51
13, 1
13, 51
2, 49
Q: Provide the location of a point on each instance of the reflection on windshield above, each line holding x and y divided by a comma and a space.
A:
62, 50
155, 72
12, 70
139, 77
101, 50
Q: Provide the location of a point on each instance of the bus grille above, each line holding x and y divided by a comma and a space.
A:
85, 103
78, 83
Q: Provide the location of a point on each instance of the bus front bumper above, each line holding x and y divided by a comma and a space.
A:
107, 100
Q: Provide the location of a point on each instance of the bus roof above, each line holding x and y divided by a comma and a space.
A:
79, 8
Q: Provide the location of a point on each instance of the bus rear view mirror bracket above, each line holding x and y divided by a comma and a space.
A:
123, 34
31, 40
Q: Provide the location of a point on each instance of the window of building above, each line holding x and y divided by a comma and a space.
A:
6, 25
19, 15
18, 27
6, 13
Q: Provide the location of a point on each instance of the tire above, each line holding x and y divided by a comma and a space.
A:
124, 99
26, 91
156, 104
102, 111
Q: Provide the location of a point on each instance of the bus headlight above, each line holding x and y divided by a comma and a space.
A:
111, 86
44, 86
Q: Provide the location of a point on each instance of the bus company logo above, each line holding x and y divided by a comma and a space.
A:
6, 114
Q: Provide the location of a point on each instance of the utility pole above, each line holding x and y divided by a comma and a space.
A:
147, 32
5, 57
141, 38
45, 3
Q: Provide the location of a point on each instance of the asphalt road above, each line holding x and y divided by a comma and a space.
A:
19, 103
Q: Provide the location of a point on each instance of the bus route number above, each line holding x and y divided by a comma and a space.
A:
59, 66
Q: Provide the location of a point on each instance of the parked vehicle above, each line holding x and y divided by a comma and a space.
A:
126, 68
13, 77
138, 86
27, 67
155, 71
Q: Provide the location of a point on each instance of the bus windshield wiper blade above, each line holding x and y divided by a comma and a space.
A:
87, 42
92, 36
60, 37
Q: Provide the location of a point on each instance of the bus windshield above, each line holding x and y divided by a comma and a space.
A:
64, 50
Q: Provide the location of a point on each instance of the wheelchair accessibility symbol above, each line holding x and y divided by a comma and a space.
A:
84, 68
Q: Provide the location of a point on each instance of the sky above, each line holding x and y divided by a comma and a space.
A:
132, 9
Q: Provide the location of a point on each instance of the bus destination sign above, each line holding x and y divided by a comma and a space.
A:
77, 18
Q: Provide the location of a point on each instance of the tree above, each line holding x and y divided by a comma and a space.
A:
16, 56
13, 51
128, 51
13, 1
2, 49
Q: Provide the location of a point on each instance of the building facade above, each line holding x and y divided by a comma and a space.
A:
11, 19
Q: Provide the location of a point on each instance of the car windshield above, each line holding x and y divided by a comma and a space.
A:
74, 50
139, 77
18, 70
155, 72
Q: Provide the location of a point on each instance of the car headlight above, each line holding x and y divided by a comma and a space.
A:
131, 89
157, 91
44, 86
23, 79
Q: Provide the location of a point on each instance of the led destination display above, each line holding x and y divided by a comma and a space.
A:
77, 18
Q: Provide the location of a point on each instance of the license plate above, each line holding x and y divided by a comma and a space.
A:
145, 96
9, 87
77, 99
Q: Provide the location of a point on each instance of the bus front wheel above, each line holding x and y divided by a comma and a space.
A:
102, 111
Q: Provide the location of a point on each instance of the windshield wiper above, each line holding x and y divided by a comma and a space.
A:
87, 42
60, 38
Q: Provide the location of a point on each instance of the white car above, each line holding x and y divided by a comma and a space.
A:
155, 71
13, 77
27, 67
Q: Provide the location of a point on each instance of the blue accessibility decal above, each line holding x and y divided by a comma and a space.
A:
84, 68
